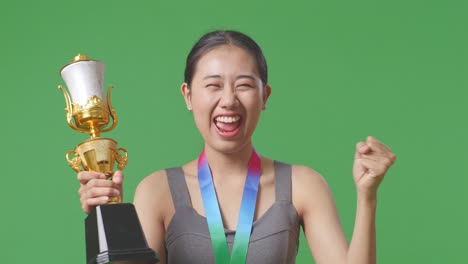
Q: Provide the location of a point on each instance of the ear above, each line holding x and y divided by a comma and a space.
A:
266, 95
186, 93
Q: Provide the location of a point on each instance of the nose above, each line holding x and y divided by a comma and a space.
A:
228, 98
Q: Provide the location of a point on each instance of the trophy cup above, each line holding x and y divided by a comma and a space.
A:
113, 231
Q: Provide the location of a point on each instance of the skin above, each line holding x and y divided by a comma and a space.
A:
227, 81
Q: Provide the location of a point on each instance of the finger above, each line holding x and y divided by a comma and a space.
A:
375, 168
85, 176
100, 183
369, 157
361, 148
389, 158
87, 205
377, 146
81, 190
97, 201
384, 154
100, 192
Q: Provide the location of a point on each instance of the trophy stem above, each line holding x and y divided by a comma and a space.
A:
94, 131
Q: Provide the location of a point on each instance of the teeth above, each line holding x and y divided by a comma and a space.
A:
227, 119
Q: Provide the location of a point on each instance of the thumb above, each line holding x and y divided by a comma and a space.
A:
118, 178
359, 149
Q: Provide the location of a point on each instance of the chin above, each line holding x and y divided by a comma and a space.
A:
228, 146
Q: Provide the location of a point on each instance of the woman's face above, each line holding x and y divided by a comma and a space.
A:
226, 97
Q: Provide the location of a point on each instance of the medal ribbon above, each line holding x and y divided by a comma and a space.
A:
213, 214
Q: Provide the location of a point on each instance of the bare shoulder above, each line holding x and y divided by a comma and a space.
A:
308, 187
306, 178
153, 205
153, 186
153, 194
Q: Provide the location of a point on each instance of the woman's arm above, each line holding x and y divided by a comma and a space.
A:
363, 243
315, 205
151, 203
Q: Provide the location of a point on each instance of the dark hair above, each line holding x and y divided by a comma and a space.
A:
225, 37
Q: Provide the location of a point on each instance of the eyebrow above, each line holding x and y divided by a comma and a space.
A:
246, 76
237, 78
212, 76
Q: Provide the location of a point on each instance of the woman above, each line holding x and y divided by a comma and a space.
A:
226, 88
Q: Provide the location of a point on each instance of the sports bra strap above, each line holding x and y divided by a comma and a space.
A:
181, 196
283, 184
178, 186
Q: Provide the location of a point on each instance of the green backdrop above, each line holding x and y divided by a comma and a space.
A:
340, 70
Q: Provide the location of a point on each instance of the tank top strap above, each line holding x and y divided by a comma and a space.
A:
283, 185
177, 184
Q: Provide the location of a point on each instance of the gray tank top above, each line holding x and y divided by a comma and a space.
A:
274, 238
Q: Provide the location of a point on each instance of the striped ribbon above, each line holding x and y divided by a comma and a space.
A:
213, 214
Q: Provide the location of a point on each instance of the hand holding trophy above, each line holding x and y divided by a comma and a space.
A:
113, 231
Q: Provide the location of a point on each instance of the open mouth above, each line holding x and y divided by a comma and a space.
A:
228, 126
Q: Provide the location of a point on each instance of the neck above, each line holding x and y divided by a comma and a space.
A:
229, 165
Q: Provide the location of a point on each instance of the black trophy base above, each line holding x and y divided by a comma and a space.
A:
114, 235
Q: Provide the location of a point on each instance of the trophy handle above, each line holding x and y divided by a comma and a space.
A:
111, 110
69, 110
121, 159
75, 162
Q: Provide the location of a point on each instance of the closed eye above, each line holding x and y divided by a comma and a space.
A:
245, 85
213, 85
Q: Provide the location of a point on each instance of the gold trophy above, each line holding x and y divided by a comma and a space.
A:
113, 231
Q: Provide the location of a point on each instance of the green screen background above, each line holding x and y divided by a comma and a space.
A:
340, 70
